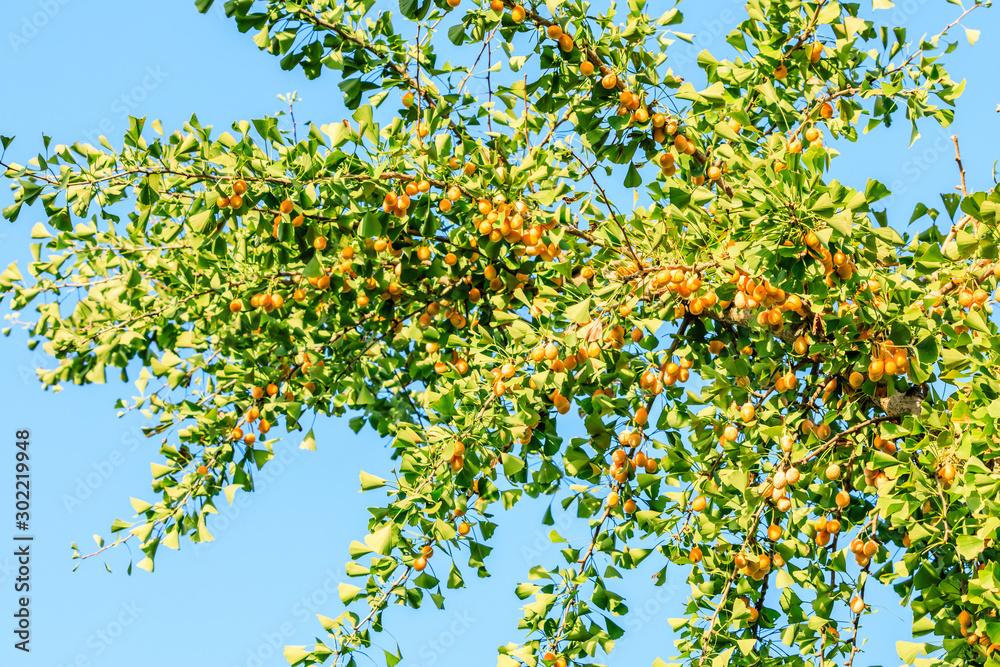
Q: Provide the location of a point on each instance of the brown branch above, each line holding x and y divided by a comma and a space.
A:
611, 208
808, 31
961, 170
857, 619
370, 48
839, 436
710, 632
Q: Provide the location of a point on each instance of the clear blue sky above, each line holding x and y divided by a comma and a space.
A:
75, 69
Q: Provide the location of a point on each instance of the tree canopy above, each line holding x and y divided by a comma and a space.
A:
782, 394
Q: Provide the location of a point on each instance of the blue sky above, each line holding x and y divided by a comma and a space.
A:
74, 70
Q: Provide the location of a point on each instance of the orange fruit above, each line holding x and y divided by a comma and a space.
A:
815, 52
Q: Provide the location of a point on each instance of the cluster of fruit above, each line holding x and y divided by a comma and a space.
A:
812, 136
285, 210
517, 12
965, 622
623, 469
456, 361
687, 286
668, 374
751, 295
863, 552
563, 39
974, 298
235, 200
891, 360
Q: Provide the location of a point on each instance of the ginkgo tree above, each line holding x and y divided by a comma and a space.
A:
783, 396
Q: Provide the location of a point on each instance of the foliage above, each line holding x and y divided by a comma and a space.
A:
779, 389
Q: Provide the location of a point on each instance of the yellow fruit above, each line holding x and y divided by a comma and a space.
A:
815, 52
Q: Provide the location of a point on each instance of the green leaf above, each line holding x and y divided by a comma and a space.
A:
511, 464
313, 270
633, 179
414, 9
349, 593
309, 442
908, 651
969, 546
580, 312
746, 645
456, 34
381, 541
40, 232
370, 226
120, 525
159, 470
139, 506
722, 660
369, 481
